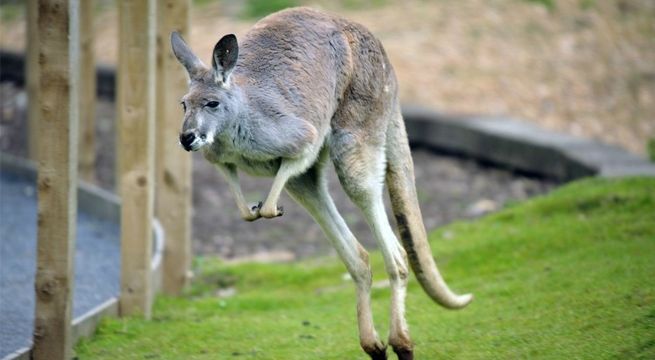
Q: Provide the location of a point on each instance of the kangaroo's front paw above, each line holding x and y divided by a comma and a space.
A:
253, 212
270, 212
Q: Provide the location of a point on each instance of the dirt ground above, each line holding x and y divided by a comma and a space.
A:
585, 67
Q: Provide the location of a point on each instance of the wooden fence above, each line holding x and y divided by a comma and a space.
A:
61, 85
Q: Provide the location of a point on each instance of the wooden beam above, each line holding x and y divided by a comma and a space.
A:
173, 163
87, 143
57, 179
32, 77
136, 82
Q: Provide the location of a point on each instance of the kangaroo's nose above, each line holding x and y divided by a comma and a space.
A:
186, 139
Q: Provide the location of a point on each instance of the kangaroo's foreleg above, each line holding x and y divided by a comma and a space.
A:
288, 168
248, 212
310, 190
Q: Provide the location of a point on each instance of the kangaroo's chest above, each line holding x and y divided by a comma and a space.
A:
254, 167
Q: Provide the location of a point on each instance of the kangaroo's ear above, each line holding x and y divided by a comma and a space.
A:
224, 58
186, 57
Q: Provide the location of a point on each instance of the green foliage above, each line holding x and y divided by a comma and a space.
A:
651, 149
10, 11
261, 8
548, 4
203, 2
587, 4
362, 4
564, 276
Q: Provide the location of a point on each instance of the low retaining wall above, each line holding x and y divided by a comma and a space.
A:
521, 146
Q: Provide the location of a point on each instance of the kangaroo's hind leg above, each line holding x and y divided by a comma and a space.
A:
361, 168
310, 190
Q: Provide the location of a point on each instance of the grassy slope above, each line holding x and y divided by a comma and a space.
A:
569, 275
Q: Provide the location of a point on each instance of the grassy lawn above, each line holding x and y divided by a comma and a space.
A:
569, 275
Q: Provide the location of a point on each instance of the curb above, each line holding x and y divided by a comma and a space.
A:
499, 140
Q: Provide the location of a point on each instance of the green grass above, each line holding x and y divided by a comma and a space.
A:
570, 275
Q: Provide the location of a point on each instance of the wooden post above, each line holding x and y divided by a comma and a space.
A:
57, 180
32, 77
136, 81
173, 205
87, 143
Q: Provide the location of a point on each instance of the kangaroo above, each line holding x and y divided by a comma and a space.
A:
301, 88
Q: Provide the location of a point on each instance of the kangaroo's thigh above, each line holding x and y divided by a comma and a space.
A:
359, 164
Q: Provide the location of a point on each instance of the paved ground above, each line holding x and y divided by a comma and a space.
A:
96, 262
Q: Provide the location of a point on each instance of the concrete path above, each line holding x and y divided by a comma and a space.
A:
97, 262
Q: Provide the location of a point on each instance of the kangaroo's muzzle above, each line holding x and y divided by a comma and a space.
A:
187, 140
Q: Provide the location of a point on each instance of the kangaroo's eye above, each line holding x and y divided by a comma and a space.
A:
212, 104
183, 106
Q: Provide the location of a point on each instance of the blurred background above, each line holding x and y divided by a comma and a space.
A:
583, 67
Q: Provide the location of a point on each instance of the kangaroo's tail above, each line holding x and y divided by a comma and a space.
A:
402, 190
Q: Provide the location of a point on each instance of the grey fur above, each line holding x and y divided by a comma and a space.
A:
307, 86
191, 62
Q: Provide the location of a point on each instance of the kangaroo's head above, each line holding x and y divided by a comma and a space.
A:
211, 102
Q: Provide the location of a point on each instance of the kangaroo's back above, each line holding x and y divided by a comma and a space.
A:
313, 62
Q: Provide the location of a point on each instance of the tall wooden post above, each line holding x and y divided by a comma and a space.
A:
136, 112
173, 205
87, 143
57, 180
32, 77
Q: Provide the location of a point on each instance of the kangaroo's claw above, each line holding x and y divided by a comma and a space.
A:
256, 207
253, 212
269, 213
